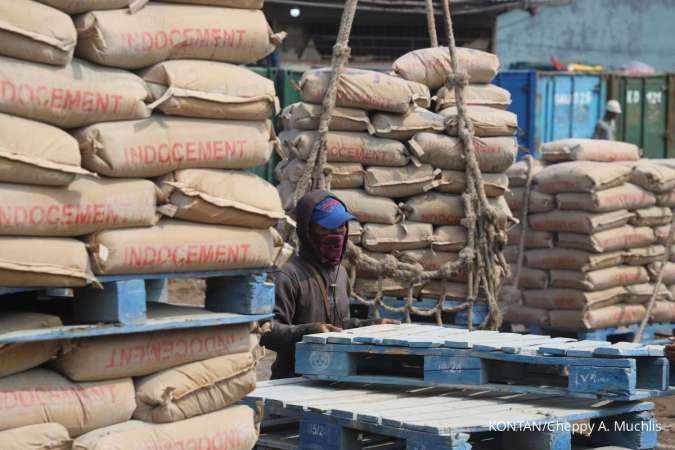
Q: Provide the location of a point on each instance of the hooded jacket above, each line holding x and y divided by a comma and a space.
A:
300, 308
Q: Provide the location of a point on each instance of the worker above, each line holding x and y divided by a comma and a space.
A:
606, 127
312, 287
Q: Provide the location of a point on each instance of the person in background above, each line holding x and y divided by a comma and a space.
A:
606, 127
312, 287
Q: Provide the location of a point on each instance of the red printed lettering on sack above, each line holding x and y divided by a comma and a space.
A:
185, 255
145, 41
179, 152
18, 399
61, 214
59, 99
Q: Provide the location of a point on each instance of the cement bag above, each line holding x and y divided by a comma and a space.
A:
652, 217
159, 32
589, 150
85, 206
223, 197
609, 316
526, 315
487, 122
386, 238
177, 246
454, 182
532, 278
653, 177
140, 354
72, 96
44, 262
365, 89
627, 196
579, 221
662, 234
210, 90
397, 182
242, 4
42, 396
570, 259
641, 293
355, 231
644, 256
581, 176
474, 95
517, 173
432, 260
80, 6
495, 155
35, 32
306, 116
668, 272
444, 209
368, 208
663, 312
159, 145
343, 175
37, 154
431, 66
666, 199
533, 239
511, 254
368, 287
610, 240
232, 428
436, 288
48, 436
404, 126
347, 147
194, 389
597, 280
572, 299
22, 356
286, 191
539, 202
449, 238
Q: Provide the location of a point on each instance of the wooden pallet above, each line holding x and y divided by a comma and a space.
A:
654, 333
461, 318
424, 355
333, 416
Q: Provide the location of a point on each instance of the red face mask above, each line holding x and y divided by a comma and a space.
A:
330, 245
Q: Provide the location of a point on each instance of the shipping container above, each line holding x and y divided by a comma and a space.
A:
553, 105
645, 120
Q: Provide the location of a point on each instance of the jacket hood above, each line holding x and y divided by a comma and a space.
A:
303, 217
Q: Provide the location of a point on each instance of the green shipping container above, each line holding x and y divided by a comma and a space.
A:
647, 106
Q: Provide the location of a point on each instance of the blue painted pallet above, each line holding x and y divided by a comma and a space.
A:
424, 355
626, 333
332, 417
461, 318
123, 299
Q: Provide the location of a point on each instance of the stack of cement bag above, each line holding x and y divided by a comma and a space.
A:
151, 390
596, 218
399, 166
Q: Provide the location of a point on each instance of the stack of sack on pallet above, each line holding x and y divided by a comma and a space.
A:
93, 183
398, 165
598, 220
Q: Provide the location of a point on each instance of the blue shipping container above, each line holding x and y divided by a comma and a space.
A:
553, 105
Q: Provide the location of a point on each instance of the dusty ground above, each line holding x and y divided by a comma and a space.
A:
665, 414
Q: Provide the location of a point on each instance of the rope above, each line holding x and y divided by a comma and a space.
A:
523, 222
659, 281
431, 23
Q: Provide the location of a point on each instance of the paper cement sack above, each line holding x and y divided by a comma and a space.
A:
42, 396
344, 146
159, 145
454, 182
140, 354
22, 356
35, 32
610, 316
572, 299
653, 177
48, 436
159, 32
532, 278
579, 221
436, 288
642, 293
627, 196
449, 238
243, 4
589, 150
533, 239
652, 217
663, 312
386, 238
194, 389
368, 287
210, 90
305, 116
177, 246
355, 231
44, 262
233, 428
597, 280
369, 208
397, 182
404, 126
343, 175
581, 176
571, 259
223, 197
85, 206
431, 66
446, 209
495, 154
526, 315
644, 256
80, 6
474, 95
517, 173
668, 272
72, 96
609, 240
36, 153
366, 89
487, 122
539, 202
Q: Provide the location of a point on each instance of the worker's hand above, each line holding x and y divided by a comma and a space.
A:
670, 351
326, 328
391, 322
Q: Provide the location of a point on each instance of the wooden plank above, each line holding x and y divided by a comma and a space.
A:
241, 294
561, 349
435, 338
497, 342
476, 337
531, 348
408, 331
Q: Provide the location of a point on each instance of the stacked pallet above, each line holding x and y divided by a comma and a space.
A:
398, 165
131, 159
598, 220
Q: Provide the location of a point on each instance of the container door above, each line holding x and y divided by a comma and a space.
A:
521, 85
670, 138
633, 108
655, 116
